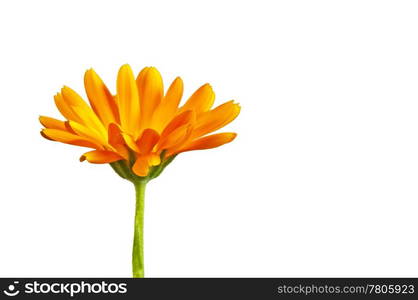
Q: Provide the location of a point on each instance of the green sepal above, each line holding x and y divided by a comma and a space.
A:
124, 170
157, 170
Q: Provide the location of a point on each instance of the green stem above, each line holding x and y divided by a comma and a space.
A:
138, 247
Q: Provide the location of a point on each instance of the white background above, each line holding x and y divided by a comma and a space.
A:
321, 181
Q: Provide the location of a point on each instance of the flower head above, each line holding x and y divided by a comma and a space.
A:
140, 129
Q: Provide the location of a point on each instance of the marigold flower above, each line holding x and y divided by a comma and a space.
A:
139, 121
139, 130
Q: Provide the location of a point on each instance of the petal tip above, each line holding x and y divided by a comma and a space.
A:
125, 67
44, 135
89, 72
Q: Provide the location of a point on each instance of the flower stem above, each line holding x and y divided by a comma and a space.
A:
138, 247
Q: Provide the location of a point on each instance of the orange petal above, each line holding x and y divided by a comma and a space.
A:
101, 100
183, 118
175, 138
114, 135
65, 109
130, 142
128, 100
201, 100
147, 141
144, 162
168, 106
116, 140
52, 123
85, 115
68, 127
69, 138
210, 141
87, 132
217, 118
100, 157
151, 90
141, 167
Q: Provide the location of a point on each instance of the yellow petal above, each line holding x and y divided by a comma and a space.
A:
147, 141
128, 101
69, 138
210, 141
201, 100
101, 100
87, 132
100, 157
154, 159
85, 114
68, 127
151, 90
217, 118
130, 142
168, 106
52, 123
65, 109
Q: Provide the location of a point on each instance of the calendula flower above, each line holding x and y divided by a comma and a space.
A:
140, 130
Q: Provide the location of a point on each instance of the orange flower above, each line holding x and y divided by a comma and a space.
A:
139, 131
139, 128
